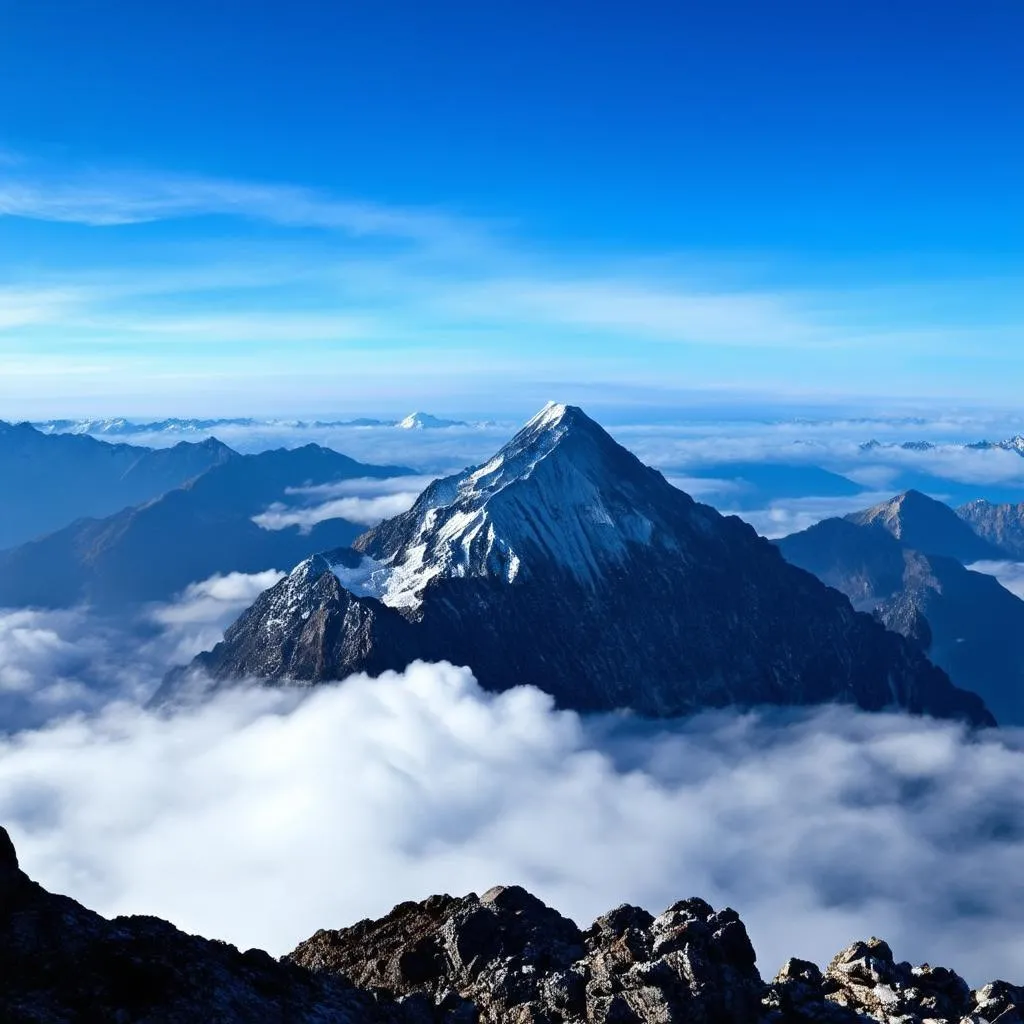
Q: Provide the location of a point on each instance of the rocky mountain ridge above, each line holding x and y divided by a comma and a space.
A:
51, 480
928, 526
567, 563
500, 957
119, 426
965, 621
152, 551
1000, 524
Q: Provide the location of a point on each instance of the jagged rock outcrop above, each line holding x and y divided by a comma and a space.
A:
566, 563
509, 958
1002, 525
506, 957
865, 983
501, 957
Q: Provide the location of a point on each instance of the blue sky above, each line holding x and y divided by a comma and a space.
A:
321, 208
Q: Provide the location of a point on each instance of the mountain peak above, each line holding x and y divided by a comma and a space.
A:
552, 414
927, 525
893, 512
560, 492
424, 421
566, 563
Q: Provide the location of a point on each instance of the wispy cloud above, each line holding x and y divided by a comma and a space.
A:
26, 307
269, 326
108, 200
439, 295
662, 312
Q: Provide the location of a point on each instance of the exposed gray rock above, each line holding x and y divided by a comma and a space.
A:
501, 957
1001, 525
514, 959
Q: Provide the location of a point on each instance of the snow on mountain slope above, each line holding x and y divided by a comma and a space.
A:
580, 512
424, 421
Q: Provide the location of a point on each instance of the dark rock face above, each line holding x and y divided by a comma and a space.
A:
501, 957
1000, 525
966, 622
566, 563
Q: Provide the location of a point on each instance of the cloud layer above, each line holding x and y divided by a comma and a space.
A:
359, 501
55, 663
1009, 574
267, 814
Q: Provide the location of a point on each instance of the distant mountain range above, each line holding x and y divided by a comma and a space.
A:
151, 551
903, 561
48, 481
119, 426
565, 562
1010, 444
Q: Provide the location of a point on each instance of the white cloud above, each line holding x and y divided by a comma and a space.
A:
363, 501
782, 518
197, 618
55, 663
364, 487
249, 818
263, 816
267, 326
25, 307
1009, 574
365, 511
109, 199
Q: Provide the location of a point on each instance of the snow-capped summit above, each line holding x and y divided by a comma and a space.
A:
564, 562
560, 495
424, 421
1013, 444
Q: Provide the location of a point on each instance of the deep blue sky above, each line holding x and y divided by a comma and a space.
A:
793, 151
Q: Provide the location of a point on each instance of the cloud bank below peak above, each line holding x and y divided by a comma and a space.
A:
819, 827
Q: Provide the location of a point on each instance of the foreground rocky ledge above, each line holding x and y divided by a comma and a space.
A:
500, 957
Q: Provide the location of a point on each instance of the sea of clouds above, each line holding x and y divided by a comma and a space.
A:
265, 814
695, 453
